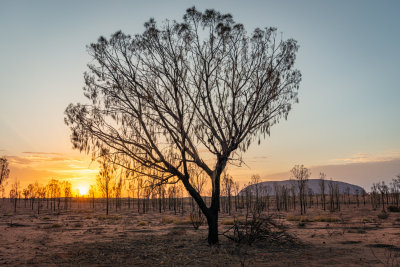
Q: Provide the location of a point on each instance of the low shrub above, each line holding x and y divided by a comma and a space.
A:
167, 220
325, 219
142, 223
301, 224
183, 221
108, 217
304, 219
259, 228
197, 219
56, 225
366, 220
298, 218
228, 222
393, 209
383, 215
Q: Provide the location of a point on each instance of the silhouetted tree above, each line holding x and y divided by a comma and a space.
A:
4, 170
15, 193
4, 173
67, 193
255, 181
301, 174
236, 192
364, 194
204, 84
41, 194
54, 193
395, 185
383, 189
227, 185
104, 178
92, 193
198, 180
322, 177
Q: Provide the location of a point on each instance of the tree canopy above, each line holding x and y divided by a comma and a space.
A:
182, 94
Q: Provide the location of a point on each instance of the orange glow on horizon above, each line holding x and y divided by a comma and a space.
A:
83, 189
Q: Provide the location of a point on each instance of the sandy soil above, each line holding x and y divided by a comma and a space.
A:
83, 237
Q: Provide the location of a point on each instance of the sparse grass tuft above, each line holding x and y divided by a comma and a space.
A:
304, 219
142, 223
228, 222
383, 215
182, 221
366, 220
56, 225
109, 217
167, 220
325, 219
297, 218
176, 232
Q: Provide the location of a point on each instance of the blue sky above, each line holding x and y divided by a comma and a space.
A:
349, 58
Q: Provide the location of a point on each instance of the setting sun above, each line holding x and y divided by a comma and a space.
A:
83, 189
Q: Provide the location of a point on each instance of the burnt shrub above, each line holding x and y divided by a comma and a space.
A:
393, 209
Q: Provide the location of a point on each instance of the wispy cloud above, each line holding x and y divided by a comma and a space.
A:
367, 157
41, 153
43, 166
35, 159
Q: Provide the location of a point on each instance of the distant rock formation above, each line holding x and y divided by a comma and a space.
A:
312, 184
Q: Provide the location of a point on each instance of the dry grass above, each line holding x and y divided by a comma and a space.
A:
142, 223
56, 225
108, 217
72, 238
228, 222
319, 218
167, 220
383, 215
183, 221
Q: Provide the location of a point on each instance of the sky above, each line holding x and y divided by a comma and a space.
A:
346, 123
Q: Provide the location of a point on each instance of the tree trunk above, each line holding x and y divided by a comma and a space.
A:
212, 220
107, 205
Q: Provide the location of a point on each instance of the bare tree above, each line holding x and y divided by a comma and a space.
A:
198, 180
31, 194
322, 177
364, 194
383, 189
104, 178
203, 84
41, 194
54, 193
4, 170
15, 193
117, 189
227, 184
395, 184
67, 193
255, 181
301, 174
92, 193
25, 192
4, 173
236, 192
277, 196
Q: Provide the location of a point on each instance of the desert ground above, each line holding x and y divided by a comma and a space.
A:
81, 236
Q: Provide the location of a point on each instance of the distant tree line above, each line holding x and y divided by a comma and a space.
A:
147, 194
